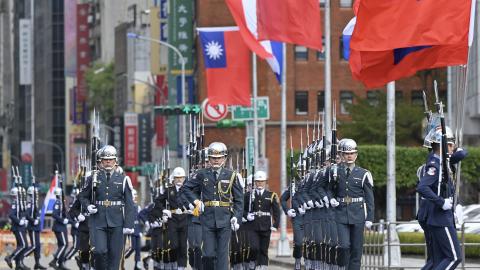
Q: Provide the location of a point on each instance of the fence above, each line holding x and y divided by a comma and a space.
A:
381, 244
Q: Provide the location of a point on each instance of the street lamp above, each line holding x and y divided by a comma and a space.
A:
183, 119
56, 146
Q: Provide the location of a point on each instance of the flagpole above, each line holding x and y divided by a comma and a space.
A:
328, 72
283, 248
255, 117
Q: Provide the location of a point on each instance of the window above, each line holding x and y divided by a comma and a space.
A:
346, 97
301, 102
417, 98
301, 53
322, 3
372, 97
321, 55
345, 3
321, 101
398, 96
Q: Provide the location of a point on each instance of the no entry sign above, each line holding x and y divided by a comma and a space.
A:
214, 112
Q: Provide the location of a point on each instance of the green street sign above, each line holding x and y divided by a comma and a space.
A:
246, 113
249, 152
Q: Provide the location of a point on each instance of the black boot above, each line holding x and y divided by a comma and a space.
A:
23, 266
79, 263
61, 266
8, 260
53, 263
38, 265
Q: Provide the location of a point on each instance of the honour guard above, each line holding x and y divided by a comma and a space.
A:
264, 218
217, 194
436, 187
354, 202
108, 198
34, 228
75, 224
60, 229
19, 227
135, 238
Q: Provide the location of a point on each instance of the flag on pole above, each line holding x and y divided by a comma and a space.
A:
227, 63
49, 201
295, 22
245, 16
388, 25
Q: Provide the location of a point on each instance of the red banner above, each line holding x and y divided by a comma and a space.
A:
131, 139
83, 50
161, 97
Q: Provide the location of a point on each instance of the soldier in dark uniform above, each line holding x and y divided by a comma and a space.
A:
34, 229
352, 193
111, 209
155, 219
75, 224
75, 213
264, 218
60, 230
19, 227
135, 238
439, 209
143, 216
217, 193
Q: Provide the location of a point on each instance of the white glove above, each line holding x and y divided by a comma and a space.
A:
147, 226
81, 218
326, 202
191, 206
233, 220
178, 211
334, 202
22, 222
155, 224
250, 217
167, 213
304, 205
310, 204
65, 221
26, 222
301, 211
164, 218
202, 206
92, 209
190, 212
273, 229
368, 224
291, 213
127, 231
244, 220
36, 221
318, 204
77, 224
448, 204
235, 226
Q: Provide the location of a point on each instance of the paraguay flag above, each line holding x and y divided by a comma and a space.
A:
227, 63
49, 201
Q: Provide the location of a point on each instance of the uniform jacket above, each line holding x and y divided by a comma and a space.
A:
58, 215
33, 214
118, 188
359, 184
15, 216
267, 202
226, 188
74, 212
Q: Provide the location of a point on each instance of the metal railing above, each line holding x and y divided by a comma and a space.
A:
382, 242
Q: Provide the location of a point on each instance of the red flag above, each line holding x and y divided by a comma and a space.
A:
241, 11
227, 63
375, 69
290, 21
386, 25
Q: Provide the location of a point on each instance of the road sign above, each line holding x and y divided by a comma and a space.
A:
246, 113
214, 112
249, 152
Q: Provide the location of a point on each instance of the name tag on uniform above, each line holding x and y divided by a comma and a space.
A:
356, 178
118, 183
225, 181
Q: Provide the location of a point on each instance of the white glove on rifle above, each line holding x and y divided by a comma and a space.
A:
326, 202
234, 223
291, 213
273, 229
22, 222
301, 211
164, 218
81, 218
368, 224
178, 211
127, 231
36, 221
65, 221
168, 213
191, 206
334, 202
250, 216
77, 224
318, 204
92, 209
448, 204
310, 204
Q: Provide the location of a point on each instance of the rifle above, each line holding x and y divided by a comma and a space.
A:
333, 150
301, 155
444, 156
19, 191
251, 198
323, 153
95, 144
62, 197
428, 113
292, 174
34, 196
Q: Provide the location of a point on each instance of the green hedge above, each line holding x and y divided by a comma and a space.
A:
408, 159
418, 238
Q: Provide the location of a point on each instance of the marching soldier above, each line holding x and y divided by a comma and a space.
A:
34, 228
352, 193
108, 198
75, 213
75, 224
217, 194
135, 245
19, 226
439, 191
60, 230
264, 218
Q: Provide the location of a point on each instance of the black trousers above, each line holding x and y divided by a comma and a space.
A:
21, 238
35, 245
108, 245
84, 246
260, 241
178, 241
62, 245
215, 247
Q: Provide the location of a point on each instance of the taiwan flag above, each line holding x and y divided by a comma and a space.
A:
227, 63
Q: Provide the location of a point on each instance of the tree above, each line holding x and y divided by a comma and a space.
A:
368, 124
101, 89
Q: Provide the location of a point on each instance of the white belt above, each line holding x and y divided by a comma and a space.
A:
261, 214
350, 200
108, 203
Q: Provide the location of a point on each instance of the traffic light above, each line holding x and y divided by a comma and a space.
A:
228, 123
178, 109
